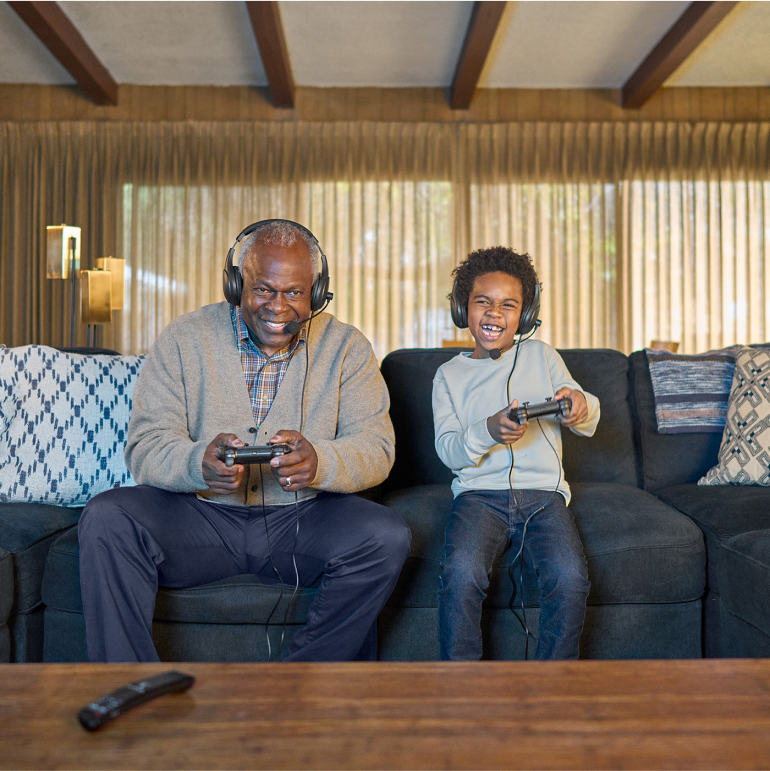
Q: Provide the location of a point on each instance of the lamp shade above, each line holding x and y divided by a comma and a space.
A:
116, 268
95, 294
59, 251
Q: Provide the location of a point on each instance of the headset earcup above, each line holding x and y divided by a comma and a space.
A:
233, 286
320, 286
232, 282
458, 310
529, 315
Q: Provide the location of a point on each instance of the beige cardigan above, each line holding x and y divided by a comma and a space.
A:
192, 387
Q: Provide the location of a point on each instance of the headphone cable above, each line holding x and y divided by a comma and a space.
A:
511, 573
272, 563
520, 553
296, 499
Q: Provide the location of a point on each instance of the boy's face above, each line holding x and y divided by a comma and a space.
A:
494, 309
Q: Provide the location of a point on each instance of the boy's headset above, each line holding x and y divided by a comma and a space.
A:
232, 278
527, 321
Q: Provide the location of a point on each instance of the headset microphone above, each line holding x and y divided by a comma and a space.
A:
294, 326
495, 354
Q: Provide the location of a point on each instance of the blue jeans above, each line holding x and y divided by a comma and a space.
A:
480, 528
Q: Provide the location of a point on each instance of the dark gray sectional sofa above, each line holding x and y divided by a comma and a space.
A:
676, 570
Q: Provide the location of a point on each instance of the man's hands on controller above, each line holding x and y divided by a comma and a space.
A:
579, 411
504, 430
299, 466
221, 479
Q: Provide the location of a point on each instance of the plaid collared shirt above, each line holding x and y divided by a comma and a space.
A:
263, 374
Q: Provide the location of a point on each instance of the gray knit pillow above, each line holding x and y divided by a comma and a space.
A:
744, 456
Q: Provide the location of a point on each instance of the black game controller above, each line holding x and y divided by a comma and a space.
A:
559, 407
253, 454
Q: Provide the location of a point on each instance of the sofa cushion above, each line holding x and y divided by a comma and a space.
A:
409, 376
664, 459
638, 549
242, 599
27, 531
744, 455
63, 425
723, 511
743, 570
607, 457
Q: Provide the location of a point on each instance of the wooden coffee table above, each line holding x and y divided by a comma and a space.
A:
588, 714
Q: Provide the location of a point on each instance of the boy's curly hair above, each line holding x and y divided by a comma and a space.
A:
492, 260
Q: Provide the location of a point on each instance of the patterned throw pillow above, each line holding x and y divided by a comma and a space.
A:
744, 456
63, 424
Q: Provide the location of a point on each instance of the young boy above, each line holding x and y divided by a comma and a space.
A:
505, 472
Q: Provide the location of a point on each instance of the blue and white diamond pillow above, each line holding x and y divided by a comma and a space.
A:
63, 424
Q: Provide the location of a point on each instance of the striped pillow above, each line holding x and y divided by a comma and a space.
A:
691, 392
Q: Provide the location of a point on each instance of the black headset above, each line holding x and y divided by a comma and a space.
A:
527, 321
232, 278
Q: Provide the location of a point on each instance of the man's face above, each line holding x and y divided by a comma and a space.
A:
494, 310
277, 281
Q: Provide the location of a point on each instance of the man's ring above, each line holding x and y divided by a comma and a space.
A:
288, 481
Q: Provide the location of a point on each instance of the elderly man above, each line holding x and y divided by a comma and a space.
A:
251, 368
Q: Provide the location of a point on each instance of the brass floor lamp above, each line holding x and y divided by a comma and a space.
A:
101, 292
101, 289
63, 253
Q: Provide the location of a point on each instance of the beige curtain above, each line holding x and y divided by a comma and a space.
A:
639, 231
378, 197
51, 173
694, 201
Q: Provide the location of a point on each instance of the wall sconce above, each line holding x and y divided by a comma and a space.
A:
63, 260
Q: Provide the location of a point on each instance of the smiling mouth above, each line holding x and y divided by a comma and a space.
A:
491, 331
275, 326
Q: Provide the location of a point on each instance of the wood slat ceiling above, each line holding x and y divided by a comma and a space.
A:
398, 45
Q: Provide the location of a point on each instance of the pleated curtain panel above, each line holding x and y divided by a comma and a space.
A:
638, 231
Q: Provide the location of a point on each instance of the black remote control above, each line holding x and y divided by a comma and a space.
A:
526, 411
108, 707
253, 454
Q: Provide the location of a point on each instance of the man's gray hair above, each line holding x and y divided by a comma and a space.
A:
280, 233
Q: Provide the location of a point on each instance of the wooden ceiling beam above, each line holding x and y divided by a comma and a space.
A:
689, 31
485, 19
60, 36
266, 20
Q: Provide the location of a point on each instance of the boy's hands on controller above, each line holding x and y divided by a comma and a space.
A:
504, 430
297, 467
221, 479
579, 411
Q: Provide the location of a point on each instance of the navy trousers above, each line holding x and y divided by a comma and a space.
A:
481, 526
134, 539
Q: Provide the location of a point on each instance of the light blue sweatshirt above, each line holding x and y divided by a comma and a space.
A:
467, 391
